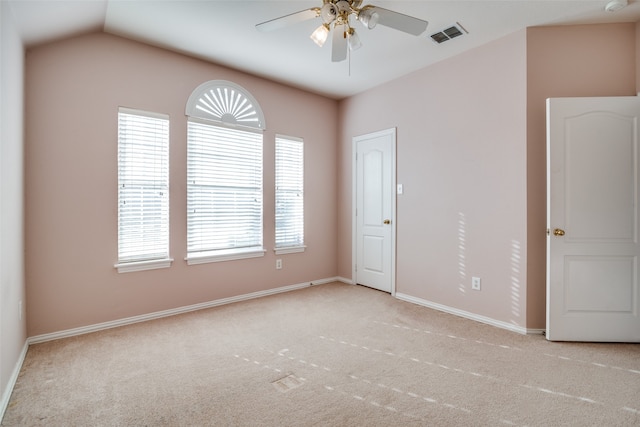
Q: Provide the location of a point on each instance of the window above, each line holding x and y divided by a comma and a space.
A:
289, 195
143, 190
224, 174
224, 191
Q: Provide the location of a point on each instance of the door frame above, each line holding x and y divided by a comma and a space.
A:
354, 202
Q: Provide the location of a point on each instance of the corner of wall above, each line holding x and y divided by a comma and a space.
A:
13, 339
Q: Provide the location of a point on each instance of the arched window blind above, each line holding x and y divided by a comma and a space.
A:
224, 174
221, 101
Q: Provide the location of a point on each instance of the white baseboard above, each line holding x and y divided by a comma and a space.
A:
171, 312
462, 313
325, 281
6, 394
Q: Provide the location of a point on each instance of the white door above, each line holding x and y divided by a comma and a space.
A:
592, 220
374, 216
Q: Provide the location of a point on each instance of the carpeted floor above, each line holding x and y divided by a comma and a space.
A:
328, 355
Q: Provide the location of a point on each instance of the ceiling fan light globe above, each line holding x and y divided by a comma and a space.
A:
328, 13
369, 18
319, 36
354, 40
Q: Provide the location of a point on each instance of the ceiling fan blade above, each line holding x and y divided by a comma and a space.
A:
400, 21
339, 43
285, 21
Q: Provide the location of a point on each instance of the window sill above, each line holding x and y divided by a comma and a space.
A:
128, 267
223, 255
289, 250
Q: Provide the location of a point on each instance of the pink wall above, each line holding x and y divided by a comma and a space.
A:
471, 156
461, 156
74, 89
565, 61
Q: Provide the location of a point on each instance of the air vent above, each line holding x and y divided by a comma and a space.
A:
449, 33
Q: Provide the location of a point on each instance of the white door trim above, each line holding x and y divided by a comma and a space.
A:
354, 172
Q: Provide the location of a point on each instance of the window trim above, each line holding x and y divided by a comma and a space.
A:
290, 250
223, 255
153, 264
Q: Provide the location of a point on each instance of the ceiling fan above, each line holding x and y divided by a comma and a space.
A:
336, 18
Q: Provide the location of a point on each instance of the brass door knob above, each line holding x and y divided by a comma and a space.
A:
387, 221
558, 232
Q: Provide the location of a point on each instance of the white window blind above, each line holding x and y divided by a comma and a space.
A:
143, 187
224, 191
289, 193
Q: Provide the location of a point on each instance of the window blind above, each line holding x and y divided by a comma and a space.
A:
224, 189
289, 192
143, 186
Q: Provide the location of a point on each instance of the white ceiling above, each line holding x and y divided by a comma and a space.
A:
224, 32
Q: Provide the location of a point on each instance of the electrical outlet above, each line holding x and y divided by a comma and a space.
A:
278, 264
475, 283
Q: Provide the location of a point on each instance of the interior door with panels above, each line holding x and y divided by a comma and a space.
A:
593, 243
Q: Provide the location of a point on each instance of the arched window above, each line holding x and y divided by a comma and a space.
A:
224, 173
225, 102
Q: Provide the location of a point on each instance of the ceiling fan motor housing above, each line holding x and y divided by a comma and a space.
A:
335, 15
333, 10
344, 7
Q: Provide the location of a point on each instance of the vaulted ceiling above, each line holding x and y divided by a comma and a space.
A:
224, 32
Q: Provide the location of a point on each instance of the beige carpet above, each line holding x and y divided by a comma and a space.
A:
329, 355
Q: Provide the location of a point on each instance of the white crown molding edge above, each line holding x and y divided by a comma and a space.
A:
467, 315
